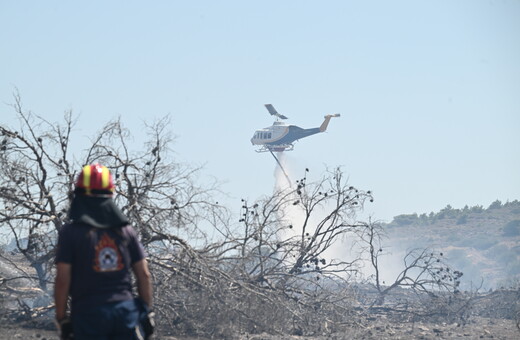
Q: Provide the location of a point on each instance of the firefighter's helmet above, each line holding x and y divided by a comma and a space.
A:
95, 180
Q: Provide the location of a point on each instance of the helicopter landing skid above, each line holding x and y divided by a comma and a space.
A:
276, 148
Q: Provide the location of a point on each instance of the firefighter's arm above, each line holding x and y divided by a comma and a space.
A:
61, 289
144, 282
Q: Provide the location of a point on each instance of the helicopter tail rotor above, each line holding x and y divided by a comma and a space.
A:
325, 123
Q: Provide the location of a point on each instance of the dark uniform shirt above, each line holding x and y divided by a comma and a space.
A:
101, 262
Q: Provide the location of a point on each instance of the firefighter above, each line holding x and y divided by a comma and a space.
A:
96, 255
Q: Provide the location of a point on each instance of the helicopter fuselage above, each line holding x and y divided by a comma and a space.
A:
280, 136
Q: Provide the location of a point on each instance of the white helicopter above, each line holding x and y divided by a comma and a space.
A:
280, 136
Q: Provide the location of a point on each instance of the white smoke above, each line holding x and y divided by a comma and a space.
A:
347, 248
285, 180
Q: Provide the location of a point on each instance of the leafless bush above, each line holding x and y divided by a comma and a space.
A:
262, 276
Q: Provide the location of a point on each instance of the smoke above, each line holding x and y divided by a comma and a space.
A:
346, 248
286, 181
350, 246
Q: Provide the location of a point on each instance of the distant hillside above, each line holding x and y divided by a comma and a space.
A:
482, 243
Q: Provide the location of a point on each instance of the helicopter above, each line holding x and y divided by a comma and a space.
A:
280, 136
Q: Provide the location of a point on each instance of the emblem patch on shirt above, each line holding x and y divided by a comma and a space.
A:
108, 258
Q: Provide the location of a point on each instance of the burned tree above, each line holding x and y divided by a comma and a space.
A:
158, 195
35, 182
291, 232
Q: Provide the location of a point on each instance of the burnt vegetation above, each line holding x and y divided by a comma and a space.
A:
275, 268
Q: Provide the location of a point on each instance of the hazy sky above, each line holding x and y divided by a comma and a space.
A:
429, 91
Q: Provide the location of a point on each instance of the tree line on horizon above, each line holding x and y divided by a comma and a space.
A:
460, 215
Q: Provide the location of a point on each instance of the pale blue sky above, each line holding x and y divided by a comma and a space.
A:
429, 91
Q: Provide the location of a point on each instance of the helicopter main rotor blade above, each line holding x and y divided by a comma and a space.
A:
273, 111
